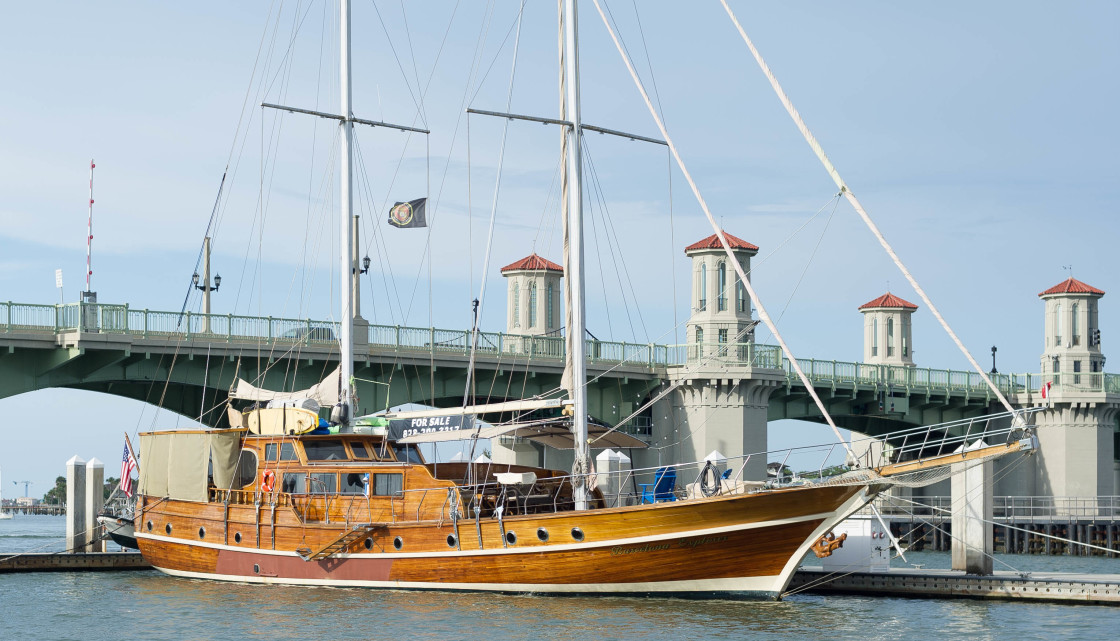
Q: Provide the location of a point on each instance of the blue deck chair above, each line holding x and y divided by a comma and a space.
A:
664, 481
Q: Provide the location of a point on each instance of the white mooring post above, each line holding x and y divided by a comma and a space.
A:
972, 501
94, 499
76, 521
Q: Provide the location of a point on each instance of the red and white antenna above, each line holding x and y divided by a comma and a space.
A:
89, 229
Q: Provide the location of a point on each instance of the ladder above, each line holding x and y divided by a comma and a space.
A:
340, 544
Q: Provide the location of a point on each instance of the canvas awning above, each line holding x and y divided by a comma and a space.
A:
325, 393
176, 464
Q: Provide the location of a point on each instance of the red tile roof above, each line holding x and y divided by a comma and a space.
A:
533, 262
1072, 286
712, 242
889, 300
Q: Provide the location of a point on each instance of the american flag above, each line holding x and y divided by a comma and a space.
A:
128, 466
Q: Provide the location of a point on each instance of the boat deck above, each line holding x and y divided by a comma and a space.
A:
1099, 589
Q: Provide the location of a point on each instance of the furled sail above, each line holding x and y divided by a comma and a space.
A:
325, 393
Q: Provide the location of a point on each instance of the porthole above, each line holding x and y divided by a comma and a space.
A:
542, 534
451, 540
398, 543
368, 543
577, 534
167, 528
237, 537
511, 538
256, 569
202, 533
149, 526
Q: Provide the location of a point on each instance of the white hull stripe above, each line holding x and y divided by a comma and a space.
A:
759, 586
534, 549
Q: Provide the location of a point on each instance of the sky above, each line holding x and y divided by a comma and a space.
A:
979, 136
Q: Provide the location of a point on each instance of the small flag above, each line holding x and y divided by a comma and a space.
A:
128, 466
1045, 389
409, 214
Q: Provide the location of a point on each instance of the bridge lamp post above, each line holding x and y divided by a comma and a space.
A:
205, 286
994, 371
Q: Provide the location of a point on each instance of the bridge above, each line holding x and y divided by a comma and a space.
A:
187, 361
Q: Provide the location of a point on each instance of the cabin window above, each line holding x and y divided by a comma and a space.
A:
358, 449
325, 450
294, 483
287, 452
246, 469
323, 483
388, 484
408, 454
354, 483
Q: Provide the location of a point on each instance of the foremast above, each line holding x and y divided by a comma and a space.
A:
346, 263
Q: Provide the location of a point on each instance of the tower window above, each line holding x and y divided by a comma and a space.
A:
1058, 325
703, 303
874, 336
533, 304
550, 311
1074, 328
721, 282
740, 294
890, 337
516, 305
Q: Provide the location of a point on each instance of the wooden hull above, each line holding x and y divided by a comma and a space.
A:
743, 546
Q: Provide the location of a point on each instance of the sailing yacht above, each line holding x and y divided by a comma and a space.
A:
279, 499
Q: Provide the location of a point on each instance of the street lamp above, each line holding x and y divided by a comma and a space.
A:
365, 265
994, 371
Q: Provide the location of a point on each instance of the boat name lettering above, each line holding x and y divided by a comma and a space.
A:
620, 550
692, 543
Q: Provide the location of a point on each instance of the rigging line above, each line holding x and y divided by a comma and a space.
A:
379, 239
819, 151
494, 60
493, 209
617, 253
595, 194
649, 61
286, 60
598, 259
400, 66
808, 262
765, 317
672, 246
476, 59
415, 71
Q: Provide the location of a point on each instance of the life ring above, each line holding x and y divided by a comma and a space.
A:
268, 481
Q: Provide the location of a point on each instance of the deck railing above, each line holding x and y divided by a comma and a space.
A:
122, 319
1012, 509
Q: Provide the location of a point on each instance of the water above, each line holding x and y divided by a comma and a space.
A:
151, 606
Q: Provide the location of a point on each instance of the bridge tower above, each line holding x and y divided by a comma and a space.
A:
887, 331
1077, 435
721, 309
720, 398
535, 300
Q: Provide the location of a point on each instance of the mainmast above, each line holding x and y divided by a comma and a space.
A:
346, 273
574, 260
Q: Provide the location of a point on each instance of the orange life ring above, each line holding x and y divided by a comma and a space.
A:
268, 480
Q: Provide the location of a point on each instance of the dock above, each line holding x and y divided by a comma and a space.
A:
79, 562
1096, 589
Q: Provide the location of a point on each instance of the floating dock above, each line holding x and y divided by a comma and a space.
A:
1097, 589
80, 562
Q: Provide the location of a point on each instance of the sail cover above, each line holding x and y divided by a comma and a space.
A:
325, 393
555, 434
177, 463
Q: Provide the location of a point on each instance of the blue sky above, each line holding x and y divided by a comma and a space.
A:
980, 136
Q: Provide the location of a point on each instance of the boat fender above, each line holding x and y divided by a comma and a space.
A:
709, 480
268, 481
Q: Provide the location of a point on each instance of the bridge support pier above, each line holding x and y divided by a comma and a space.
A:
971, 518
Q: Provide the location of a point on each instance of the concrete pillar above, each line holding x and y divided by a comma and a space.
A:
972, 501
95, 500
76, 520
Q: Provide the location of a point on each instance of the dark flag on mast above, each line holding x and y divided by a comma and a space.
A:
409, 214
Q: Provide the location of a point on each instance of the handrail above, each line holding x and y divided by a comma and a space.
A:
149, 324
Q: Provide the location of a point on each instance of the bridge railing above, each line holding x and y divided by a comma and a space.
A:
122, 319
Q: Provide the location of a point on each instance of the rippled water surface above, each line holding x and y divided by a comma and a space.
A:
149, 605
